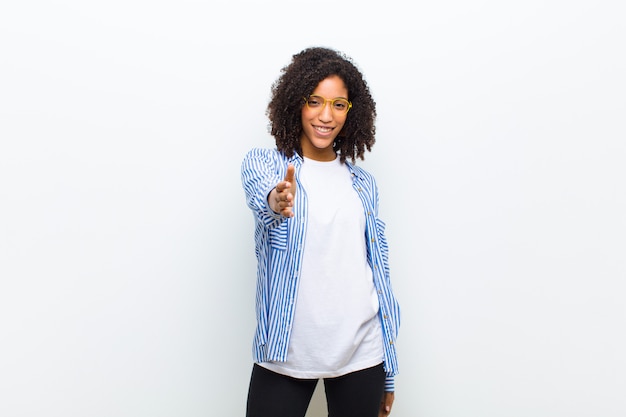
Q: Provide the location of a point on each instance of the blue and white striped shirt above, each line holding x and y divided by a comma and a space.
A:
279, 247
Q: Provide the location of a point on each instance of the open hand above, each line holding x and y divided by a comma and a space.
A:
283, 195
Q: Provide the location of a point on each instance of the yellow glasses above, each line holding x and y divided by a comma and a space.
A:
339, 105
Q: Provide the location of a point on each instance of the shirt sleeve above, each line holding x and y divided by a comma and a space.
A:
390, 384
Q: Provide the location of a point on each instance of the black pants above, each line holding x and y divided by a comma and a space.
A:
357, 394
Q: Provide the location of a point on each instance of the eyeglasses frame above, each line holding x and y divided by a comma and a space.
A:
331, 100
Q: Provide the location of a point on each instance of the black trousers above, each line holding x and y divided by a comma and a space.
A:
357, 394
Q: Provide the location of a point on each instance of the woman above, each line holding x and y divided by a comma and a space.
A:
324, 303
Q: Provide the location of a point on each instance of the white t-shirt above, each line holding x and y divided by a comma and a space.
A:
336, 328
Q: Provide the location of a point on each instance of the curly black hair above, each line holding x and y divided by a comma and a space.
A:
298, 79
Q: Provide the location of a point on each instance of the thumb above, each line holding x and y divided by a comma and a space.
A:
291, 174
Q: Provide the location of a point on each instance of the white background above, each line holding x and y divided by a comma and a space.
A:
126, 249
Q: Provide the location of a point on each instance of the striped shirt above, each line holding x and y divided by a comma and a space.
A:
279, 248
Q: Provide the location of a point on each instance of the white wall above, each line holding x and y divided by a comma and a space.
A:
126, 249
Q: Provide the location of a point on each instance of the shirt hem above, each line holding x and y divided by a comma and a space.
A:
300, 374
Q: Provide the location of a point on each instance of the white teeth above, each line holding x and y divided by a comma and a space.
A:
323, 129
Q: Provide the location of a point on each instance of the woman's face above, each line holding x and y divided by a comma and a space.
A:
322, 124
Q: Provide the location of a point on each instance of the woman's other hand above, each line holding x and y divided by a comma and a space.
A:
385, 404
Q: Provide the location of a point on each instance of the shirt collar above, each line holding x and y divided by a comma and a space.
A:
297, 161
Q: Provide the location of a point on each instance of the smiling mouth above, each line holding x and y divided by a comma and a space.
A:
323, 129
